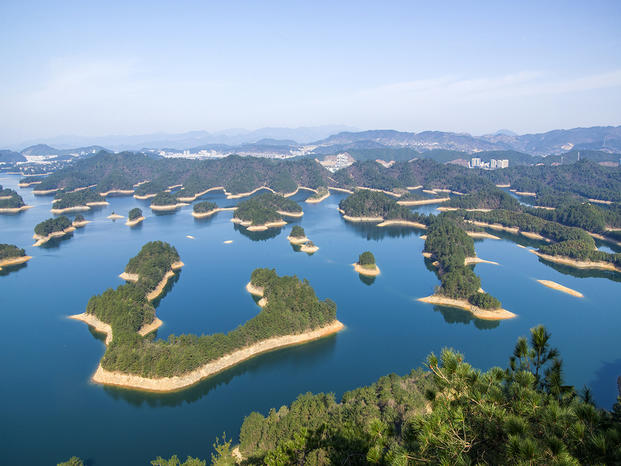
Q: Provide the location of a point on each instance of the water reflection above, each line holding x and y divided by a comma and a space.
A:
602, 385
7, 269
452, 315
582, 273
258, 235
371, 231
366, 279
55, 243
306, 355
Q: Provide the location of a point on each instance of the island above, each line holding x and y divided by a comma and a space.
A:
559, 287
309, 248
292, 315
297, 235
265, 211
165, 201
114, 216
76, 201
11, 255
11, 202
52, 228
204, 209
366, 265
134, 217
376, 207
79, 221
449, 247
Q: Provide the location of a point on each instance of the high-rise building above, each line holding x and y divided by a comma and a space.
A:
476, 162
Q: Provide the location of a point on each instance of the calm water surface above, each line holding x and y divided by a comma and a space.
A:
51, 411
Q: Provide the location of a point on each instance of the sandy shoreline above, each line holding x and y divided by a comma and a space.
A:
365, 271
14, 210
164, 208
136, 221
211, 212
481, 234
169, 384
508, 185
298, 240
240, 195
484, 314
452, 209
317, 200
202, 193
144, 196
360, 219
44, 192
388, 193
30, 183
290, 214
77, 208
123, 192
405, 223
14, 261
309, 249
250, 227
559, 287
424, 201
155, 293
56, 234
115, 216
525, 193
81, 224
477, 260
576, 263
341, 190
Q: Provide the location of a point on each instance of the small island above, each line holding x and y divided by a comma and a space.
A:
52, 228
11, 202
265, 211
559, 287
291, 315
114, 216
372, 206
76, 201
11, 255
79, 221
165, 201
134, 217
204, 209
366, 265
309, 248
297, 235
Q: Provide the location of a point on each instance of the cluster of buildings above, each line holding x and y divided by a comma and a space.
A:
493, 164
336, 162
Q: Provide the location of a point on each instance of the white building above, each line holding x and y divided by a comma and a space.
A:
476, 162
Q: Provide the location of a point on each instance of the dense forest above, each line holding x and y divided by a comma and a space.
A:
134, 214
367, 259
52, 225
9, 199
204, 206
485, 198
365, 203
64, 200
297, 232
292, 307
164, 198
449, 245
9, 251
264, 207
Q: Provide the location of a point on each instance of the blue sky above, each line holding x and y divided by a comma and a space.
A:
97, 68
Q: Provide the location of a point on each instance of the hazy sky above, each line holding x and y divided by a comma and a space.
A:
98, 68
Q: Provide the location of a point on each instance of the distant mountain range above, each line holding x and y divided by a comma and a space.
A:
385, 144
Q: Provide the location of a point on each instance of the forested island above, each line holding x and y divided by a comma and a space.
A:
52, 228
11, 202
166, 201
265, 210
372, 206
292, 314
12, 255
452, 250
366, 265
204, 209
76, 201
134, 217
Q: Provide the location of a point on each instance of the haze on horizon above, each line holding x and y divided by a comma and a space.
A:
115, 68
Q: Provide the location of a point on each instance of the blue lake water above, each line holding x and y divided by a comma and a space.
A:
52, 411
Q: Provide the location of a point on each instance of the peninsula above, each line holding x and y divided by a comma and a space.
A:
165, 201
52, 228
11, 202
76, 201
373, 206
11, 255
291, 315
265, 211
79, 221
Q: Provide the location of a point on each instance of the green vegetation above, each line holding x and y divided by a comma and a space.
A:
292, 308
12, 201
297, 232
365, 203
134, 214
204, 206
175, 461
367, 259
150, 187
582, 215
164, 198
52, 225
79, 218
10, 251
581, 251
321, 192
73, 461
263, 208
485, 198
64, 200
450, 413
449, 245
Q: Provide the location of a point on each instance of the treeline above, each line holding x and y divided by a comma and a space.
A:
449, 245
297, 232
365, 203
264, 207
292, 307
236, 174
52, 225
204, 206
10, 199
64, 200
9, 251
582, 215
450, 413
485, 198
164, 198
581, 251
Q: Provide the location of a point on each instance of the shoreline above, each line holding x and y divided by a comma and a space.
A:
55, 234
296, 241
136, 221
290, 214
114, 216
525, 193
309, 249
211, 212
360, 219
44, 192
142, 197
77, 208
559, 287
169, 207
170, 384
424, 201
197, 195
123, 192
30, 183
366, 272
477, 260
481, 234
250, 227
155, 293
14, 261
317, 200
576, 263
14, 210
483, 314
406, 223
388, 193
341, 190
81, 224
240, 195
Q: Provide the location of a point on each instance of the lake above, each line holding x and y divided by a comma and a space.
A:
52, 411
